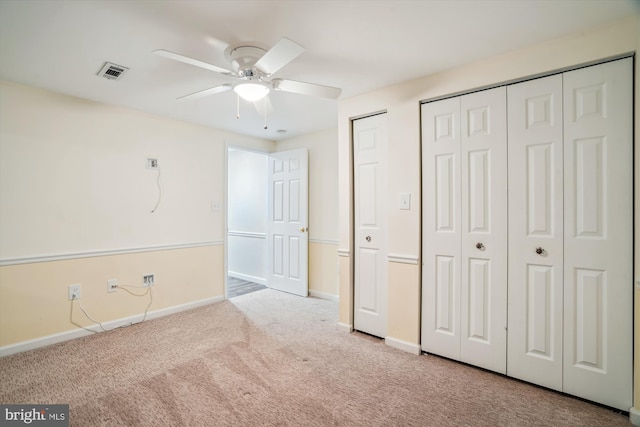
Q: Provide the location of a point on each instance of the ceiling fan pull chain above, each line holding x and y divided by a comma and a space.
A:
237, 106
265, 111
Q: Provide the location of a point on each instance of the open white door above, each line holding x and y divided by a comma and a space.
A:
287, 237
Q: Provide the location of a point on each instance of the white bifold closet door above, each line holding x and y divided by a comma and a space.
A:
555, 266
570, 232
370, 231
465, 221
598, 233
536, 219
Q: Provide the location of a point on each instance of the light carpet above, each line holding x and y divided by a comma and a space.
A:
272, 359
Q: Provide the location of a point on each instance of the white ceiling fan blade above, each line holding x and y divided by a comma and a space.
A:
278, 56
306, 88
206, 92
190, 61
262, 104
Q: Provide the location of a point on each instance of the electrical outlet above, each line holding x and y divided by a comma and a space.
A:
74, 292
147, 280
112, 285
152, 163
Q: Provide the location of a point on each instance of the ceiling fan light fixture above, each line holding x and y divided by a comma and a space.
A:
251, 91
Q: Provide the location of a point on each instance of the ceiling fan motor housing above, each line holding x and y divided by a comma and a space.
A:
243, 61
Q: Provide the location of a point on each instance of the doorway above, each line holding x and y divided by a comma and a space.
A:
267, 221
246, 224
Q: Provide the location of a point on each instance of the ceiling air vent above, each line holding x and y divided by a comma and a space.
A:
112, 71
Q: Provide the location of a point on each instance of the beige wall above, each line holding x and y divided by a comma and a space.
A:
323, 208
34, 303
402, 103
76, 204
73, 176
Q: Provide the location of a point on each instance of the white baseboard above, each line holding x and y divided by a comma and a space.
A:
248, 278
634, 416
77, 333
409, 347
324, 295
344, 327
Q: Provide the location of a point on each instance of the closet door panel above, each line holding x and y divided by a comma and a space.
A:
441, 228
598, 282
535, 232
370, 145
483, 290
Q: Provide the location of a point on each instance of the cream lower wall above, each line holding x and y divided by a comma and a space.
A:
323, 270
403, 317
34, 296
345, 275
34, 299
402, 104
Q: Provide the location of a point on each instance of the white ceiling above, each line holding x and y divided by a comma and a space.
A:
357, 45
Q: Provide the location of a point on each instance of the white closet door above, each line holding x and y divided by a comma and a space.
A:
535, 221
483, 284
370, 239
598, 282
441, 228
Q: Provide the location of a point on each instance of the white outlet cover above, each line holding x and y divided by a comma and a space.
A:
74, 289
112, 285
151, 282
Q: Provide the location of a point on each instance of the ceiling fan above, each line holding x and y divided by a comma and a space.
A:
252, 68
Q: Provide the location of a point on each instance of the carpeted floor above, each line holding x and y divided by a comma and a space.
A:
272, 359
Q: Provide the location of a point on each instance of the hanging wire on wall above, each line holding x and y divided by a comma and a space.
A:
159, 191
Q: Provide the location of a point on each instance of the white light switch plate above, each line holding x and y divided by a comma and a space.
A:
405, 201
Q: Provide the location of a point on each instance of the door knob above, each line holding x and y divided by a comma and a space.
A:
539, 250
368, 238
480, 245
303, 229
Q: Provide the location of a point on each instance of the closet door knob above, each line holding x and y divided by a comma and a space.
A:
368, 238
539, 250
480, 245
